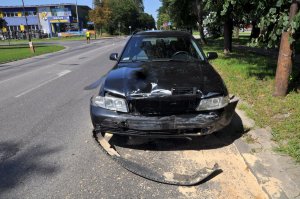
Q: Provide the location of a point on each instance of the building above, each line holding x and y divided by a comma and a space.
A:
50, 19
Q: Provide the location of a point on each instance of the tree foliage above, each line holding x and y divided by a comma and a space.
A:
124, 13
273, 18
3, 23
179, 12
101, 14
276, 21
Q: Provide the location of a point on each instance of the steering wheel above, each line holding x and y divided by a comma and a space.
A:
180, 52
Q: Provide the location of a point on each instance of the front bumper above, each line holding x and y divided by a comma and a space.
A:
170, 126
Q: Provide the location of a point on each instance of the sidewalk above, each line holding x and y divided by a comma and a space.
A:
278, 174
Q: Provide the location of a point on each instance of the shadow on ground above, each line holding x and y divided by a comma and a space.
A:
216, 140
17, 165
263, 66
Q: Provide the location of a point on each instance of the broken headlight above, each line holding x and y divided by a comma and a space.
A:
111, 103
213, 103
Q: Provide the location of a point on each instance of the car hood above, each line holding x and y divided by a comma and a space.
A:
163, 78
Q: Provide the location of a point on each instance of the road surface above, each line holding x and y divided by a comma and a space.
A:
47, 149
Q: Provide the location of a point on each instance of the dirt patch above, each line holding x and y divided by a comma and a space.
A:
189, 192
236, 181
183, 156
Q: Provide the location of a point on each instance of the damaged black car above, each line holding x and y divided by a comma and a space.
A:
162, 85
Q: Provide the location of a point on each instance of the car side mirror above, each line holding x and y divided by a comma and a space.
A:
113, 56
212, 55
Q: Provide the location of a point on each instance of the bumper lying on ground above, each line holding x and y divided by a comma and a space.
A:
173, 125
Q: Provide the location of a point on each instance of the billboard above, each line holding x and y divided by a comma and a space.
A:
59, 19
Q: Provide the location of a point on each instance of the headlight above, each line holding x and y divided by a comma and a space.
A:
213, 103
111, 103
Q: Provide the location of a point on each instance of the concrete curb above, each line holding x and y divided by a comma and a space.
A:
278, 174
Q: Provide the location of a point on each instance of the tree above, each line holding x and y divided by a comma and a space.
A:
163, 13
146, 21
284, 66
3, 23
181, 13
229, 13
100, 15
97, 2
125, 13
200, 12
279, 21
140, 5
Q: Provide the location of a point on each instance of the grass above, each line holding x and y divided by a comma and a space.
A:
74, 38
251, 77
17, 52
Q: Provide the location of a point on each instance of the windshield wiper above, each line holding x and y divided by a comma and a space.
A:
171, 60
134, 61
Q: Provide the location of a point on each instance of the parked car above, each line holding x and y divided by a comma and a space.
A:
162, 85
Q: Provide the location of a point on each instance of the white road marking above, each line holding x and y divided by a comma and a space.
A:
51, 65
62, 73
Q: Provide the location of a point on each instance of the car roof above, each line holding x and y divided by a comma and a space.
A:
163, 33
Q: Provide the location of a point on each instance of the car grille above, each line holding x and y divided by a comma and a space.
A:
165, 105
184, 91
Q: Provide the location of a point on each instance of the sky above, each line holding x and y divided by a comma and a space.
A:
151, 6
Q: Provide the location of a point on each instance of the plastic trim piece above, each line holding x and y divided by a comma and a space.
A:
203, 175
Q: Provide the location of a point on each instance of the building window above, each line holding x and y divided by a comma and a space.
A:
10, 14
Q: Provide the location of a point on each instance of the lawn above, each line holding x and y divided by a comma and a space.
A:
74, 38
17, 52
251, 77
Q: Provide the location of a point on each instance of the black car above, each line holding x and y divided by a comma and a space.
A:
162, 85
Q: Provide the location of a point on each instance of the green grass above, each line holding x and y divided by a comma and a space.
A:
74, 38
251, 77
17, 52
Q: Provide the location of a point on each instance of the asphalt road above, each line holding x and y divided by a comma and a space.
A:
47, 149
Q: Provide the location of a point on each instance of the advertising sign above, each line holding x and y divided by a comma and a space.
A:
56, 19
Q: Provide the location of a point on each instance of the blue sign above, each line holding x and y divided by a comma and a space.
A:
59, 19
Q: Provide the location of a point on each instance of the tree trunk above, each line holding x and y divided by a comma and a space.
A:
284, 64
200, 21
228, 27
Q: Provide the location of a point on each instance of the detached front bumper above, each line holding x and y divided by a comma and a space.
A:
174, 125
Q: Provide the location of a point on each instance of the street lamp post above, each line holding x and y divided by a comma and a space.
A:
27, 30
77, 16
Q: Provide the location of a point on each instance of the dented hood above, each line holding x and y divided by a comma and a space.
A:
160, 78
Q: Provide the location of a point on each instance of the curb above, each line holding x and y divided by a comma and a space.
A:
278, 174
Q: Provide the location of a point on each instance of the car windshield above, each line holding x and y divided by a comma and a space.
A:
156, 48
